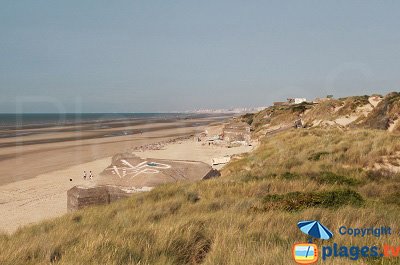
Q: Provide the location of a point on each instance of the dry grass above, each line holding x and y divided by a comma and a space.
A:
239, 218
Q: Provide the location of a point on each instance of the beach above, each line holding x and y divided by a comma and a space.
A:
37, 168
28, 151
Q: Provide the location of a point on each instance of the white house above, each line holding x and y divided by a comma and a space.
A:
299, 100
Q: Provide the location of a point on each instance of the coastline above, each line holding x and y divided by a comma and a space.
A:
53, 149
40, 192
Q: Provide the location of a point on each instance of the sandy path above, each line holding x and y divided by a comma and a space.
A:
191, 150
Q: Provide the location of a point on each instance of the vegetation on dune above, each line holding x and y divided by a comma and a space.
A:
247, 216
281, 115
352, 103
248, 118
366, 116
388, 110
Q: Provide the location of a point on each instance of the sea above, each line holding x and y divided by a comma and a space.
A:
21, 121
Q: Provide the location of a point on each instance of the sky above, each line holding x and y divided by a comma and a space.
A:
151, 56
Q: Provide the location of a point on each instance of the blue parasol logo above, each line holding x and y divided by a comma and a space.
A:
307, 253
315, 229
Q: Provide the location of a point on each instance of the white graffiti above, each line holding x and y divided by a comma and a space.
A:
132, 171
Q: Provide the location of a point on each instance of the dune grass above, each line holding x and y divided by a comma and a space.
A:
247, 216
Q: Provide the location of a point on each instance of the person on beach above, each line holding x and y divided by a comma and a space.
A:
84, 175
90, 175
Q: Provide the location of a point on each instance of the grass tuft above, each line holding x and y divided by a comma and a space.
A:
190, 244
55, 255
317, 156
193, 197
393, 198
77, 218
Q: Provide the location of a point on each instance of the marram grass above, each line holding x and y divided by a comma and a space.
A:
215, 221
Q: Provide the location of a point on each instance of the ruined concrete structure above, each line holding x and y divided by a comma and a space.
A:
237, 131
131, 171
212, 174
79, 197
129, 174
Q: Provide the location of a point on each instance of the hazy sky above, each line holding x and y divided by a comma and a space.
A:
143, 56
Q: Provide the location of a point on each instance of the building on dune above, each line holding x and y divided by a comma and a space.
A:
296, 100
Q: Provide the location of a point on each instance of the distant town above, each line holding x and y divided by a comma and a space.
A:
289, 101
232, 110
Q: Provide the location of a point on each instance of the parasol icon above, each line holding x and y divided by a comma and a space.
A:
315, 229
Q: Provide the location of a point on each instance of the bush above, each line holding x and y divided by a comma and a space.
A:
295, 201
248, 118
332, 178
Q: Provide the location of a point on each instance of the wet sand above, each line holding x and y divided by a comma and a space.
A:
50, 149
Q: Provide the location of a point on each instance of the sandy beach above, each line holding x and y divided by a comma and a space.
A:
41, 150
37, 171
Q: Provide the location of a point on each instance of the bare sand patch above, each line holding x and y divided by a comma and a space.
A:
344, 121
374, 100
44, 196
196, 151
394, 125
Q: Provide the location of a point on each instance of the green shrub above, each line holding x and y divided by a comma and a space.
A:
328, 177
248, 118
295, 201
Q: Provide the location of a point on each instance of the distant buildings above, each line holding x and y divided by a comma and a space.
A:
227, 111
